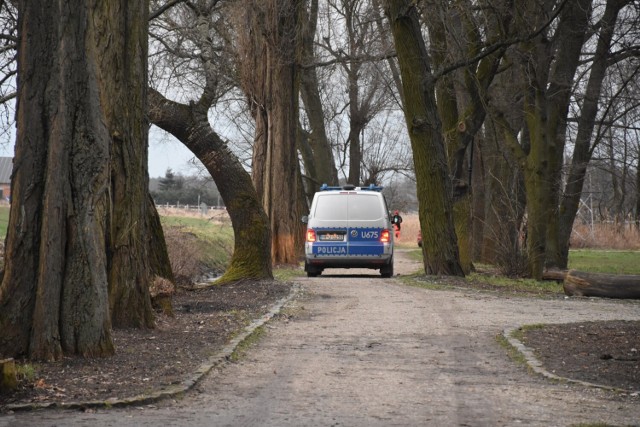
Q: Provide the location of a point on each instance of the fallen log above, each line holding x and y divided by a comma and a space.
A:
580, 283
554, 274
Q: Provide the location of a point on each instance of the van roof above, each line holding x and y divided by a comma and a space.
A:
349, 187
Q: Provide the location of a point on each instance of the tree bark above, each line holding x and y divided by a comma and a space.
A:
570, 37
582, 151
252, 250
130, 253
271, 80
54, 296
547, 93
321, 161
435, 210
578, 283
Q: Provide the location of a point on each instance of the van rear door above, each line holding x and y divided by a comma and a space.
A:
330, 225
366, 223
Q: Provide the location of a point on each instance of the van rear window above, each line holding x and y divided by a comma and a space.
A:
332, 207
354, 207
365, 207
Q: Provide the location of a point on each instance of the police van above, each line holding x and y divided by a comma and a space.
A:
348, 227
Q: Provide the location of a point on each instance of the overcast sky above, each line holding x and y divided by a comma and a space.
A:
164, 152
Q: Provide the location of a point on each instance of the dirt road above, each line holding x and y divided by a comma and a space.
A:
365, 351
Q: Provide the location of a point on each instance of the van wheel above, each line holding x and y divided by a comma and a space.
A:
387, 270
312, 271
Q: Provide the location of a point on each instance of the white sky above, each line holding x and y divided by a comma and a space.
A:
167, 152
164, 152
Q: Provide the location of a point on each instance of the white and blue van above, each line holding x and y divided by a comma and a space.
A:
348, 227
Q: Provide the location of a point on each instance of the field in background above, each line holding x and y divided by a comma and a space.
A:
199, 244
409, 231
195, 237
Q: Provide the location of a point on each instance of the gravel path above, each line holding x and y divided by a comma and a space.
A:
364, 351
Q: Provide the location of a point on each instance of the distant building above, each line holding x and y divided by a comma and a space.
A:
6, 166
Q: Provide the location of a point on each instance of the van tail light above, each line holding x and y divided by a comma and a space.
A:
311, 235
385, 236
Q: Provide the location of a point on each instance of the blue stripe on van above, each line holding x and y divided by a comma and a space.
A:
359, 241
368, 248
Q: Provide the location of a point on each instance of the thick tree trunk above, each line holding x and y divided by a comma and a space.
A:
271, 80
125, 58
54, 296
439, 247
579, 283
547, 92
252, 250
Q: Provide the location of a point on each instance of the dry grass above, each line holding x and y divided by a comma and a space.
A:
183, 255
216, 215
606, 236
409, 231
598, 236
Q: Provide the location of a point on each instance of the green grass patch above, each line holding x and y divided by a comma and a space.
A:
512, 352
287, 274
517, 284
213, 241
244, 346
26, 372
4, 221
605, 261
415, 254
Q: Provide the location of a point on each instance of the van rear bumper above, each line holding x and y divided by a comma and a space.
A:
374, 262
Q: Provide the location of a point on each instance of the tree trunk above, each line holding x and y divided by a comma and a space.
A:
271, 80
582, 148
54, 293
570, 37
637, 195
252, 249
425, 131
547, 92
578, 283
322, 157
125, 58
356, 124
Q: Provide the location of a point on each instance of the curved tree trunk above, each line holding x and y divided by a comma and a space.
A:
425, 131
252, 251
54, 297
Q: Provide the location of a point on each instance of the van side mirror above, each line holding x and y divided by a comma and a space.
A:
305, 219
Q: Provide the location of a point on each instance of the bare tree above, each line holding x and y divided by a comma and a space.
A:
425, 130
192, 50
352, 40
585, 143
316, 150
